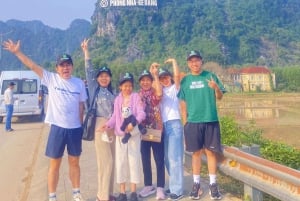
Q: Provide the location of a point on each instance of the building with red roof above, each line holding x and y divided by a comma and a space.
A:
253, 78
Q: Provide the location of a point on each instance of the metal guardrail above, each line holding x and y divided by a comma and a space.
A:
272, 178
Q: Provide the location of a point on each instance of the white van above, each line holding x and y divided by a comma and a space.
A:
27, 91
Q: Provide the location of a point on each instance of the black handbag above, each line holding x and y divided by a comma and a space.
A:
89, 122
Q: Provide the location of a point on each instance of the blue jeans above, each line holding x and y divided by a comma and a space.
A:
173, 136
9, 112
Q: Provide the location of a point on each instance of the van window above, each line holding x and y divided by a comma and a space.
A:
29, 86
6, 83
26, 86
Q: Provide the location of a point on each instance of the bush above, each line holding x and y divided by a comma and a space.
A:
236, 135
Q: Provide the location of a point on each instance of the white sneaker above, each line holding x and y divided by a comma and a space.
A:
146, 191
160, 194
52, 199
77, 197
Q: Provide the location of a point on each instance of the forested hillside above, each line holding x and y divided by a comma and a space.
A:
230, 32
40, 42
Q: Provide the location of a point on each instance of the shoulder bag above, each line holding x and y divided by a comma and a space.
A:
152, 135
89, 122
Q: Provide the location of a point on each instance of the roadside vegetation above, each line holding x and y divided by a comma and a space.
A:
235, 135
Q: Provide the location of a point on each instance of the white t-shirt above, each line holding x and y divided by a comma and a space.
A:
63, 100
169, 104
8, 97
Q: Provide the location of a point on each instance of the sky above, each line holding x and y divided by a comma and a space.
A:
54, 13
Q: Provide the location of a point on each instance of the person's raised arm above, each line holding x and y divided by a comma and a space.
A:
156, 84
89, 69
85, 48
15, 48
176, 73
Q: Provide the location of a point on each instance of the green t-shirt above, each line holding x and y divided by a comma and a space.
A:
199, 97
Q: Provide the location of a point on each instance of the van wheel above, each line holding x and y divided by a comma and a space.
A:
1, 119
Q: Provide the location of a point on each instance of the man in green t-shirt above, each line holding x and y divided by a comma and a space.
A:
198, 93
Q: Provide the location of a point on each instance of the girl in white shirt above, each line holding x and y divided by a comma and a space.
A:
173, 130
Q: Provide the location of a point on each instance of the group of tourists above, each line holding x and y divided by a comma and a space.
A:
183, 109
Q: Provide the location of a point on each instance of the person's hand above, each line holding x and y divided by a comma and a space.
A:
212, 84
170, 61
85, 44
11, 46
154, 69
129, 128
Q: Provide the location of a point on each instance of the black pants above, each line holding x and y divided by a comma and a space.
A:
158, 153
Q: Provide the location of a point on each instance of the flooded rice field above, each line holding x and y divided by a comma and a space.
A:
277, 114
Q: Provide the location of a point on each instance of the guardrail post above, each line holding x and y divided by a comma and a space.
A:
251, 193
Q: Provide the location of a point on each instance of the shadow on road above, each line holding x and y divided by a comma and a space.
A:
27, 119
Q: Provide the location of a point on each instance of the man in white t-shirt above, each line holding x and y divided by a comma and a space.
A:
67, 95
9, 105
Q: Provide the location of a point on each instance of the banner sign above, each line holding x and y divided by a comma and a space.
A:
123, 3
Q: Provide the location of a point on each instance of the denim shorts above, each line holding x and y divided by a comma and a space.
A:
59, 138
202, 135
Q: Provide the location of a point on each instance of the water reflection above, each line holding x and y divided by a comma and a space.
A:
250, 109
277, 115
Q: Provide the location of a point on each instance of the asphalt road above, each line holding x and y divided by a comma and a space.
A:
18, 154
23, 169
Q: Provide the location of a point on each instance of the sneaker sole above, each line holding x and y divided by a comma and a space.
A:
215, 198
180, 197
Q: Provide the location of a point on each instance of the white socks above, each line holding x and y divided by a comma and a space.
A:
196, 179
52, 195
76, 191
212, 179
